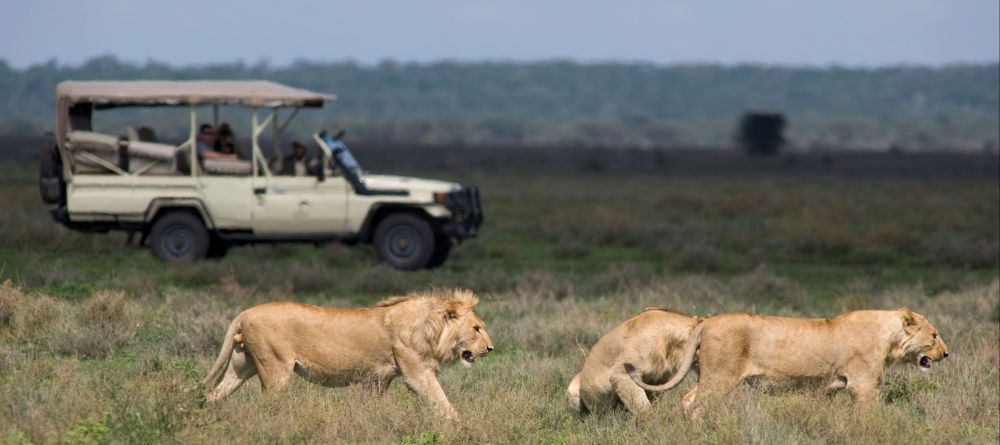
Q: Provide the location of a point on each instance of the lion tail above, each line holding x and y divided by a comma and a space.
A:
694, 340
225, 353
573, 396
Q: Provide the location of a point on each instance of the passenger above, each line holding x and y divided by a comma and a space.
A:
297, 164
206, 144
225, 142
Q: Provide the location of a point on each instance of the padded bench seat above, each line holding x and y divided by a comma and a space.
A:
141, 154
100, 145
147, 158
226, 167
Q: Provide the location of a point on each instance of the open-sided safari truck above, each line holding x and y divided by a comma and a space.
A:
188, 206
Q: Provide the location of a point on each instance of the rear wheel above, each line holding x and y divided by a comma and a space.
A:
50, 174
179, 237
217, 248
404, 241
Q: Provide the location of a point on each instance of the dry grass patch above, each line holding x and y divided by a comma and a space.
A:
143, 386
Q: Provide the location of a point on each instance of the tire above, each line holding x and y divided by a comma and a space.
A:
179, 237
404, 241
50, 182
441, 251
217, 248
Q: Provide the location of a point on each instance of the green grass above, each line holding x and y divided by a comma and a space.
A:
100, 343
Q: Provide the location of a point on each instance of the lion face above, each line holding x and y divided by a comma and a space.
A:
473, 340
923, 345
464, 332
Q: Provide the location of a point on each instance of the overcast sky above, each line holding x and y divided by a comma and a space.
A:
790, 32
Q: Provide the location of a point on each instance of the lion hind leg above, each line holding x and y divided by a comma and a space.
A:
274, 373
708, 390
239, 370
632, 395
573, 397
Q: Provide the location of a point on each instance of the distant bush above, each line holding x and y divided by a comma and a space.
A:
761, 133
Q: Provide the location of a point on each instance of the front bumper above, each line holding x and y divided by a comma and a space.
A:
466, 213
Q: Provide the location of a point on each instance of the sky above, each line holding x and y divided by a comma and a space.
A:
783, 32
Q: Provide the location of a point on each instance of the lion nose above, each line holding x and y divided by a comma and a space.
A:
946, 354
490, 349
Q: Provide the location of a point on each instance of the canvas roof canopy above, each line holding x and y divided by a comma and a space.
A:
250, 93
111, 94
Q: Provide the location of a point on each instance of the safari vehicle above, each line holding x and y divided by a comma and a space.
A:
187, 206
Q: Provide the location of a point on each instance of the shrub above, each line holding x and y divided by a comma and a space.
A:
761, 133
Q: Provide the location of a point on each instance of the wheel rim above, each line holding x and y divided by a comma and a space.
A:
403, 242
178, 241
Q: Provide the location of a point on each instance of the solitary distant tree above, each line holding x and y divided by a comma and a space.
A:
761, 133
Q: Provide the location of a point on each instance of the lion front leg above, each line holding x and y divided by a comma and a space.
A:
426, 385
863, 390
423, 381
862, 382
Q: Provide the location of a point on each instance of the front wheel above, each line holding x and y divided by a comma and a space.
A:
179, 237
404, 241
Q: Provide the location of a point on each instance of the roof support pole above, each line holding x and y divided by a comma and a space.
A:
256, 128
277, 130
215, 116
253, 141
193, 140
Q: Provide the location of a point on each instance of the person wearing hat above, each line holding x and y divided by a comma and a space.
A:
296, 164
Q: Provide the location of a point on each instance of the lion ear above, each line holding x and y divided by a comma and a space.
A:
471, 301
451, 310
466, 299
907, 315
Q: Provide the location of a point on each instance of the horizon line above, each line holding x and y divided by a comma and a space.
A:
266, 63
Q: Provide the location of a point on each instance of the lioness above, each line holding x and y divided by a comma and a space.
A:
849, 351
652, 341
411, 336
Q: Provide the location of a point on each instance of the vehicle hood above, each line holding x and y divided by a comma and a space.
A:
408, 183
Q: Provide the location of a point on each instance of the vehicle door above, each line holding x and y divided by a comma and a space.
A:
287, 204
227, 198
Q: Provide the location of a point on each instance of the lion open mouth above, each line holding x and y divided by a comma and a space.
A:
467, 356
924, 362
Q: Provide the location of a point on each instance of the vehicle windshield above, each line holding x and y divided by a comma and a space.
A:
343, 156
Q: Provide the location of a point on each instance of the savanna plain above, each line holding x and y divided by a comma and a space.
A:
100, 343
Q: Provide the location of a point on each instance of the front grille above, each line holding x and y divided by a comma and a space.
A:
466, 209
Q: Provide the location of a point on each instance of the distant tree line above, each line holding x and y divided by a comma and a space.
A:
594, 104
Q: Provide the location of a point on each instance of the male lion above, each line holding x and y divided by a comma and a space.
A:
652, 341
849, 351
412, 336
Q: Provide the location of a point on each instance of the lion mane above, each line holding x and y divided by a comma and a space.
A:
410, 336
847, 352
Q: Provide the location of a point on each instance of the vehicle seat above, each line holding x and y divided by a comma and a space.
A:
99, 145
147, 134
151, 158
226, 167
144, 134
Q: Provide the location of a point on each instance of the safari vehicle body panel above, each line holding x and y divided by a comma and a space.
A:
105, 182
